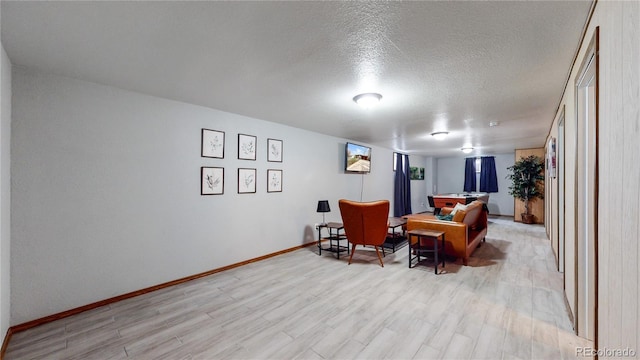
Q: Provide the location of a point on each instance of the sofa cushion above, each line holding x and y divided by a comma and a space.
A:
472, 213
459, 216
457, 208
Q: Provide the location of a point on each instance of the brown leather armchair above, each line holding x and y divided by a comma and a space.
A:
365, 223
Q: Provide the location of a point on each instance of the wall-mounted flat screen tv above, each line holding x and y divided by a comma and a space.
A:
357, 158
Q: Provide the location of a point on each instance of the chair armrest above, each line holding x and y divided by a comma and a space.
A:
439, 225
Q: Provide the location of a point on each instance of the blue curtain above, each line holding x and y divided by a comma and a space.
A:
470, 175
402, 187
488, 177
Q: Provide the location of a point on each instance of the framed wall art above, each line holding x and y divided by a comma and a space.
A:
246, 147
551, 157
274, 150
416, 173
274, 180
246, 181
211, 180
212, 144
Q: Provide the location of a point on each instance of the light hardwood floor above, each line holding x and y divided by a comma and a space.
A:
507, 303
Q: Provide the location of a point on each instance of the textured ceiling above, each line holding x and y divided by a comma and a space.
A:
440, 66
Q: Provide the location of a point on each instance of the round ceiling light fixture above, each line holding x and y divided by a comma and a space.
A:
367, 100
440, 135
467, 150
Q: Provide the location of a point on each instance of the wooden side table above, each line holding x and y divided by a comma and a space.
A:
393, 238
334, 236
426, 241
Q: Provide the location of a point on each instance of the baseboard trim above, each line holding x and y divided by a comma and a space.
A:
501, 216
33, 323
5, 343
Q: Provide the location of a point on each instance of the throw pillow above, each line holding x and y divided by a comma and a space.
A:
459, 216
447, 217
458, 207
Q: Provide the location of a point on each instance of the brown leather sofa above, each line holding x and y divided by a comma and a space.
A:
463, 233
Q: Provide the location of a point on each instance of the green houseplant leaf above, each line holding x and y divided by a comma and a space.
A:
526, 180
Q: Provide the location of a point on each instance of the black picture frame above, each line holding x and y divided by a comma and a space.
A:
246, 181
211, 180
274, 180
247, 145
274, 150
212, 144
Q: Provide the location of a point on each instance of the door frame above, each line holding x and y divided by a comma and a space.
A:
591, 58
560, 213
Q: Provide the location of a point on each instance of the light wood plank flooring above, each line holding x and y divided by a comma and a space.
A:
506, 304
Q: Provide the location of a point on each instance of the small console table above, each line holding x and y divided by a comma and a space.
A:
426, 242
336, 234
394, 238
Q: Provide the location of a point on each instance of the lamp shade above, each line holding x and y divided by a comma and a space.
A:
323, 206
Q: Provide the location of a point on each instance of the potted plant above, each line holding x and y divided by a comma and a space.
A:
526, 176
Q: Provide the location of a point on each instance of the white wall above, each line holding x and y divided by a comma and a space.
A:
5, 191
107, 200
619, 174
450, 179
430, 177
450, 175
418, 187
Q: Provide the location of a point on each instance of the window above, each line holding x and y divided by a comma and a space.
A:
395, 161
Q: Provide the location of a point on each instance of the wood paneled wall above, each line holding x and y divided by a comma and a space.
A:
618, 250
536, 206
618, 269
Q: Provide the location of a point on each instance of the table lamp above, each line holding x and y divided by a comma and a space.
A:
323, 207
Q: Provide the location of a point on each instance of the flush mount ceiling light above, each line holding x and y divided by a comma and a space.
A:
440, 135
367, 100
467, 150
494, 123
